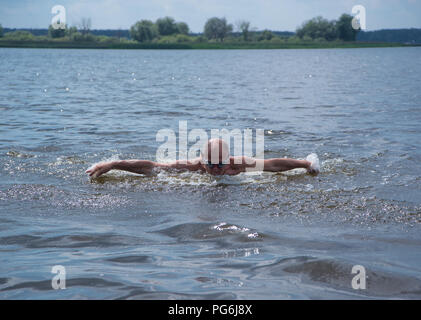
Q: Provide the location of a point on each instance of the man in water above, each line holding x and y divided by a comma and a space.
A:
214, 159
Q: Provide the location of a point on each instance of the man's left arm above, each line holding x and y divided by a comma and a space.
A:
271, 165
285, 164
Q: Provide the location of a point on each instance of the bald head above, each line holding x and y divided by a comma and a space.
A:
215, 151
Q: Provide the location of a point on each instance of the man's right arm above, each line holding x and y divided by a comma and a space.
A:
135, 166
140, 166
273, 165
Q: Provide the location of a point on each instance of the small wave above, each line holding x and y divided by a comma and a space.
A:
53, 196
45, 285
132, 259
187, 178
164, 295
205, 231
68, 160
96, 240
337, 274
18, 154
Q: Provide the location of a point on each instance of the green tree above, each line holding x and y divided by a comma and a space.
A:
217, 28
182, 28
200, 39
166, 26
56, 33
1, 31
143, 31
244, 27
70, 31
178, 38
344, 28
85, 25
20, 35
318, 28
266, 35
77, 36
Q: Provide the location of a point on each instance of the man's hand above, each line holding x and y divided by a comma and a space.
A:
312, 171
313, 164
99, 169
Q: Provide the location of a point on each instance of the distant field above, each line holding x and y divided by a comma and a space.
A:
204, 45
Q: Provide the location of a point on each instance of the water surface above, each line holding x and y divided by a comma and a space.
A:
193, 236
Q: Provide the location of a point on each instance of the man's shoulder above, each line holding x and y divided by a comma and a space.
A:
195, 161
242, 160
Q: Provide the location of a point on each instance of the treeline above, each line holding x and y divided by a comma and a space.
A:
125, 33
164, 30
322, 29
407, 36
167, 30
117, 33
80, 33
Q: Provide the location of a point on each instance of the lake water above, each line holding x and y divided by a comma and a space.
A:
194, 236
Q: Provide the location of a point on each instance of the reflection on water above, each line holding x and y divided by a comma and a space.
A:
189, 235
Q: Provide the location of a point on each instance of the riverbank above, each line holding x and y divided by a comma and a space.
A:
194, 45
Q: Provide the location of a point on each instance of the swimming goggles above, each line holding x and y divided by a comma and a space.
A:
211, 165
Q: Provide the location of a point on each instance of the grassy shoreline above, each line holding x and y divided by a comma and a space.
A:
194, 45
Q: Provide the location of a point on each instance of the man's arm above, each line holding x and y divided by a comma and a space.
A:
273, 165
135, 166
285, 164
140, 166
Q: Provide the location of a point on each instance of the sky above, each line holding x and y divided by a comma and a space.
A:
279, 15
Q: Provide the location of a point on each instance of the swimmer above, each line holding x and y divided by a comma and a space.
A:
214, 159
